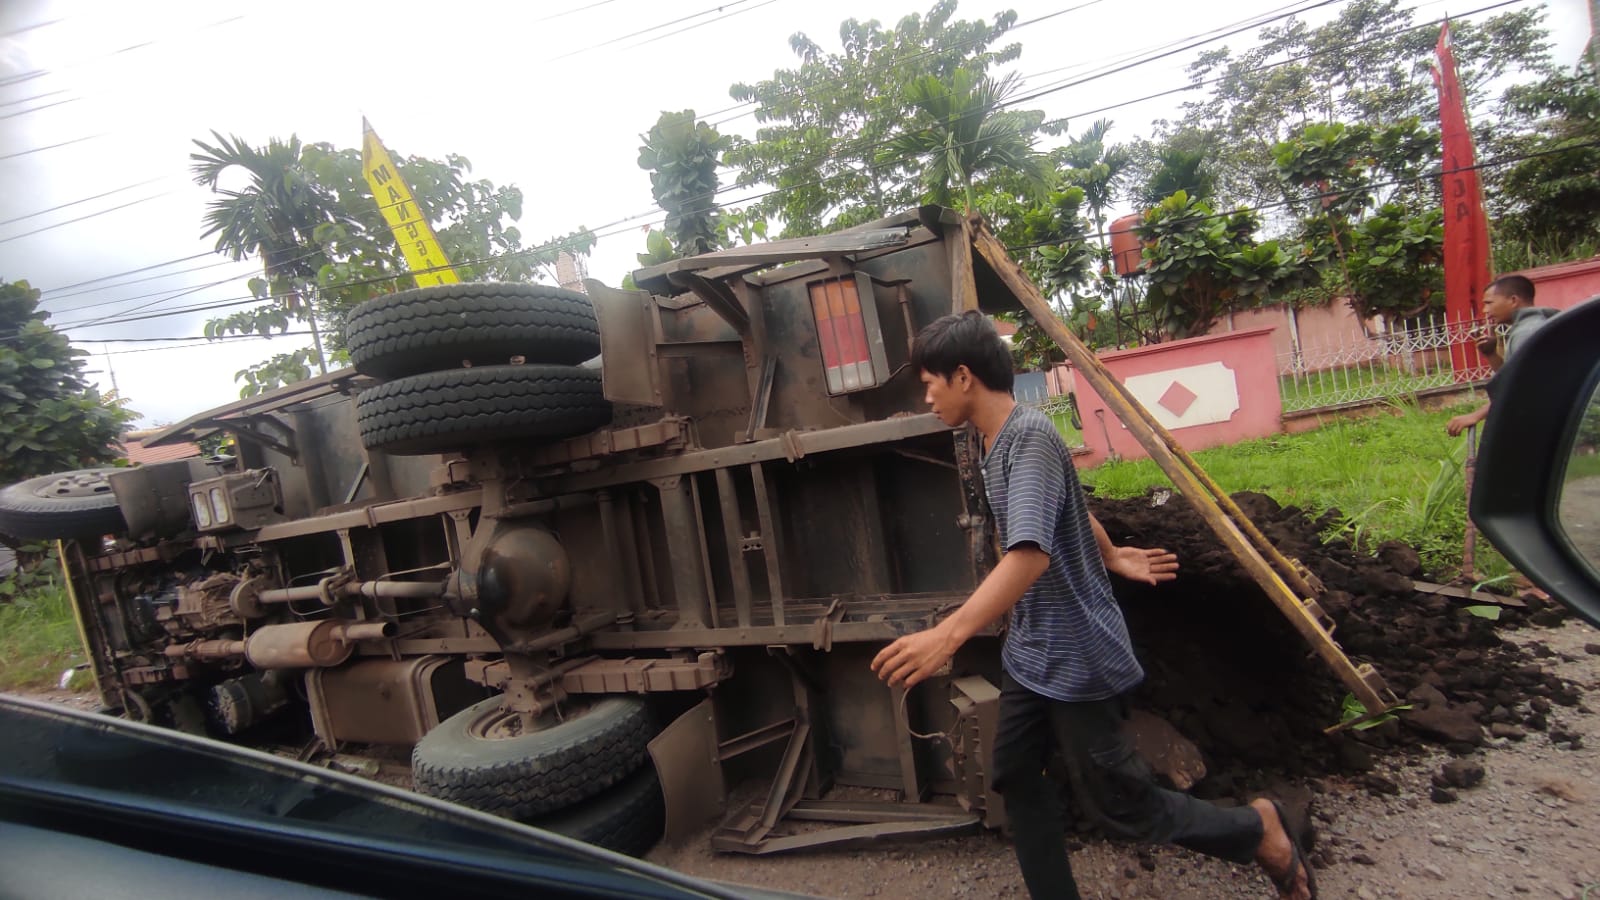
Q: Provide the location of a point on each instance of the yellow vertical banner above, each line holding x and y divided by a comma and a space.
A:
423, 254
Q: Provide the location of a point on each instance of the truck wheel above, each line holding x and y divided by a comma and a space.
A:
480, 758
628, 817
443, 327
461, 408
70, 504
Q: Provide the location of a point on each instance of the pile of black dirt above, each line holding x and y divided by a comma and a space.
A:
1230, 672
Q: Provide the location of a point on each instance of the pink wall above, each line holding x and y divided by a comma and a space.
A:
1209, 391
1319, 326
1565, 285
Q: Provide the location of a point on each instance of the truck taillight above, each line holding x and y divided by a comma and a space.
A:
848, 334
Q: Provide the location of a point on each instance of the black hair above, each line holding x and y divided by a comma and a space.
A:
968, 339
1517, 287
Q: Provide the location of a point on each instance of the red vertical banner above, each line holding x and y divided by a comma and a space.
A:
1466, 226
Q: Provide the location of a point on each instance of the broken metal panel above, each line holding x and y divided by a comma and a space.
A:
977, 705
627, 332
881, 822
659, 278
686, 761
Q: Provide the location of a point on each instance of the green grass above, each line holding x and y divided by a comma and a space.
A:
38, 637
1392, 477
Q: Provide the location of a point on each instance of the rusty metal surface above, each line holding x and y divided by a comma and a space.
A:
639, 676
384, 701
659, 277
331, 384
670, 433
686, 761
977, 705
627, 331
374, 515
881, 822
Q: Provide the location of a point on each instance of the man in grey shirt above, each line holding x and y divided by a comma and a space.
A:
1507, 301
1068, 663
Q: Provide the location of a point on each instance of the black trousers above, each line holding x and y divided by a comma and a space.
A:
1109, 782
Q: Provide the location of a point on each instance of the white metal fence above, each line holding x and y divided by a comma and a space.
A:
1399, 359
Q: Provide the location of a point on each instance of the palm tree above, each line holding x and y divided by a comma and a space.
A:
962, 131
275, 216
1097, 169
1177, 169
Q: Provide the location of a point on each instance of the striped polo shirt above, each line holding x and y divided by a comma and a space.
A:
1067, 639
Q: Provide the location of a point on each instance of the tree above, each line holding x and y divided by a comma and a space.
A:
1369, 65
682, 156
824, 122
1544, 204
1202, 265
1097, 168
308, 212
961, 131
1381, 258
1159, 170
54, 420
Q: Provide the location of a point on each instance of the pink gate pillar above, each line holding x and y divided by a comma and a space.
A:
1208, 391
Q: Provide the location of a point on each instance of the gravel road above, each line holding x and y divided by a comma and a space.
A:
1531, 828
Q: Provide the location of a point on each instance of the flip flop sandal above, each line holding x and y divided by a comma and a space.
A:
1299, 859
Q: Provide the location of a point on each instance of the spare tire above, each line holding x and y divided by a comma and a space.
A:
479, 757
478, 324
462, 408
66, 505
628, 817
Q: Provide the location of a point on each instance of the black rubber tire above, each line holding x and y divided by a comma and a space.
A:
462, 408
481, 324
628, 817
526, 775
65, 505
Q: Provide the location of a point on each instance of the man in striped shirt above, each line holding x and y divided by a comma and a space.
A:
1067, 658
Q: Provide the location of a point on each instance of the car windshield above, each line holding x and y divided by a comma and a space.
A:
62, 753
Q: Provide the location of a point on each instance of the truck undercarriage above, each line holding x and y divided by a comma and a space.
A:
595, 598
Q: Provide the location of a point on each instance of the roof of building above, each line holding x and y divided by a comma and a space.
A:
133, 447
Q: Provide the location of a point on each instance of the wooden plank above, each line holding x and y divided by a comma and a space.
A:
1461, 593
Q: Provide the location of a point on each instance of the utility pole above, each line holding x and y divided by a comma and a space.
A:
112, 370
1594, 38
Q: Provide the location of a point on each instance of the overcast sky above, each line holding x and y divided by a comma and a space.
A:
104, 98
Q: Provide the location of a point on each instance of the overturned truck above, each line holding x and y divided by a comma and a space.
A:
599, 558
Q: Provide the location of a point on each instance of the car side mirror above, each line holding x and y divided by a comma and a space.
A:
1536, 494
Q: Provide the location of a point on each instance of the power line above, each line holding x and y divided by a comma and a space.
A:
126, 187
96, 290
35, 97
114, 318
189, 342
568, 12
663, 37
34, 27
40, 73
657, 27
18, 237
1310, 198
80, 140
158, 265
38, 108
